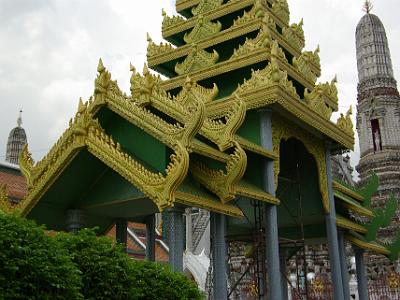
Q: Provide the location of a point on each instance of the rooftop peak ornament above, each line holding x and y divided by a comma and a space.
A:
368, 6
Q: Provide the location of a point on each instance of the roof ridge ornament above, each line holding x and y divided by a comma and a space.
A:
19, 120
368, 6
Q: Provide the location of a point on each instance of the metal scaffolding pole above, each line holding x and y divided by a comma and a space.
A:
332, 234
270, 212
219, 254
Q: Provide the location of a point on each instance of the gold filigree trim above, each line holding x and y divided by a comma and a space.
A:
347, 224
295, 35
305, 64
351, 204
271, 76
316, 101
209, 204
282, 130
347, 191
222, 131
222, 183
197, 59
156, 186
206, 6
171, 21
155, 50
262, 41
367, 246
202, 30
330, 91
5, 204
345, 123
281, 9
252, 147
253, 192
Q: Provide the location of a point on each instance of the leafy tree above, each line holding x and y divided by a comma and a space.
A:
108, 273
104, 266
32, 265
369, 189
156, 281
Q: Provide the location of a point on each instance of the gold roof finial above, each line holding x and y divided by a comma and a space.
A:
19, 120
368, 6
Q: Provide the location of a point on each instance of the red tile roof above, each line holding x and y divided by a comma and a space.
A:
15, 184
135, 249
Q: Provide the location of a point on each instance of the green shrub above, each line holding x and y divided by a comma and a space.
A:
32, 265
108, 273
156, 281
104, 266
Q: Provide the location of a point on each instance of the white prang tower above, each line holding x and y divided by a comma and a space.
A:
378, 117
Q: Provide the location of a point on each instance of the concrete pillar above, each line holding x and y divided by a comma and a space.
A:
176, 229
75, 220
189, 230
331, 230
219, 255
121, 232
362, 281
343, 265
270, 212
283, 257
151, 238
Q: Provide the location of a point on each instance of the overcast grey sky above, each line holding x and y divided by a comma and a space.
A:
50, 49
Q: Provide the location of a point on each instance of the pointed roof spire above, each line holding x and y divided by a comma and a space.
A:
19, 120
368, 6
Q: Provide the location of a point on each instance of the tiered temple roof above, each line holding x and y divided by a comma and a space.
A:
194, 138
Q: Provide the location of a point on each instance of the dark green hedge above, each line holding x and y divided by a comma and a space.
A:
33, 265
83, 266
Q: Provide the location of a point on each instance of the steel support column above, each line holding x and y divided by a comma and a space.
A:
219, 253
283, 257
151, 238
75, 220
343, 265
121, 233
176, 228
362, 282
270, 212
332, 234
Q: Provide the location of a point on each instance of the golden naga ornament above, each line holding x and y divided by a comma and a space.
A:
203, 29
220, 182
345, 123
5, 204
196, 60
206, 6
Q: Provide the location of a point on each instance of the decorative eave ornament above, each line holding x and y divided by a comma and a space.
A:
196, 60
345, 123
203, 29
368, 6
206, 6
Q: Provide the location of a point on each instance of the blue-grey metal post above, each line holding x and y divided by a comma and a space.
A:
332, 234
362, 282
75, 220
283, 258
151, 238
218, 232
176, 228
121, 232
343, 265
270, 211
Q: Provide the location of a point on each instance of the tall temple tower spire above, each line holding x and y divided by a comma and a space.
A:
16, 141
378, 117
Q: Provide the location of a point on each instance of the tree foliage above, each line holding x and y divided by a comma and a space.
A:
32, 265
